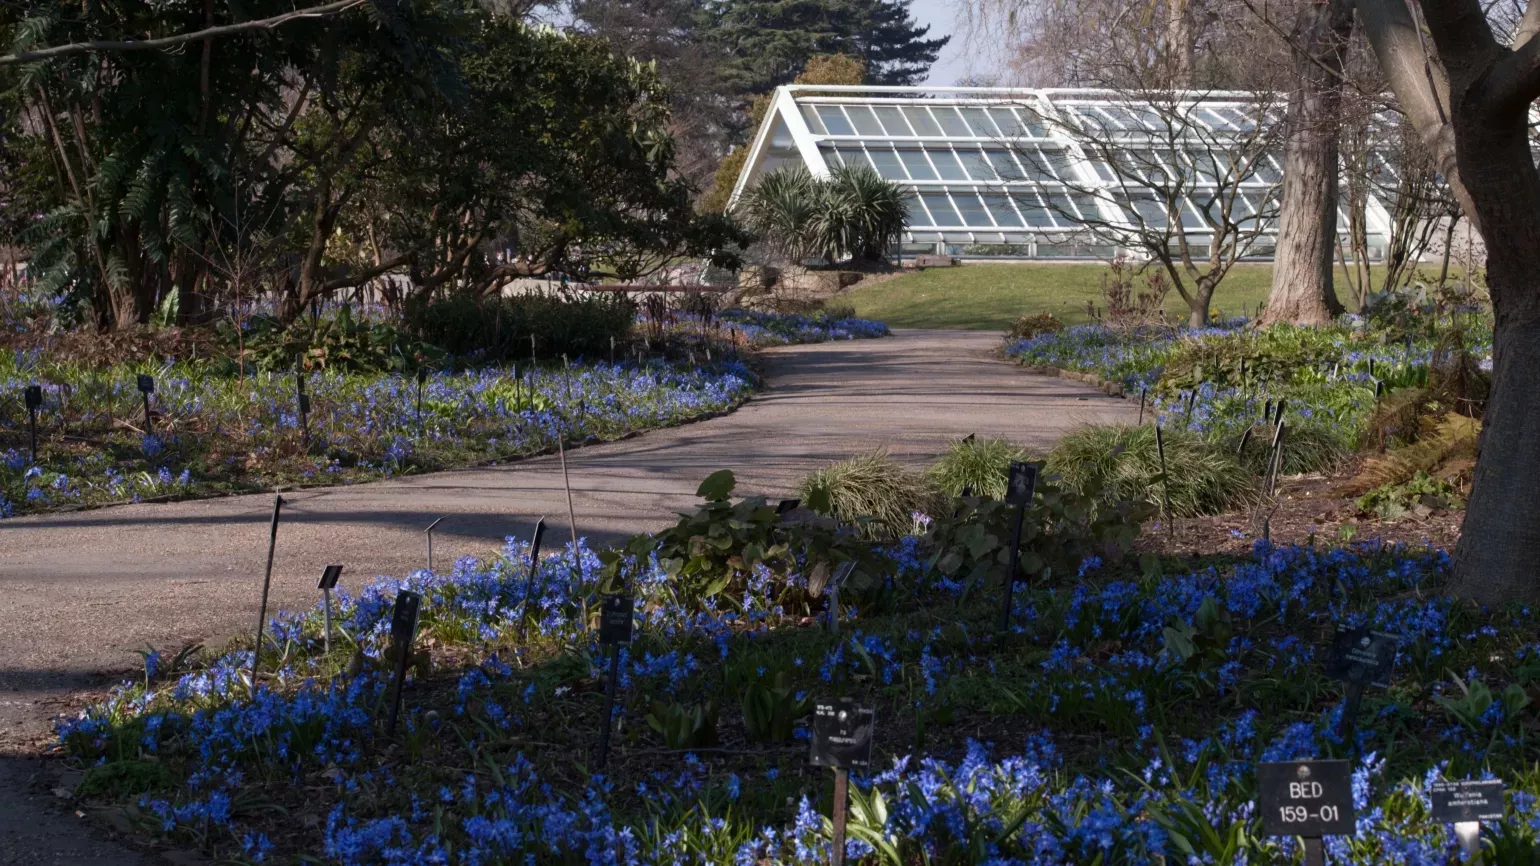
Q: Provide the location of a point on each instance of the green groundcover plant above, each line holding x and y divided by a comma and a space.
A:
1118, 718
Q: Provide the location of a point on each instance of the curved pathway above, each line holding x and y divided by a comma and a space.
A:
84, 590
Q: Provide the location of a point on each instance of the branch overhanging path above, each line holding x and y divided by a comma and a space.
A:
165, 42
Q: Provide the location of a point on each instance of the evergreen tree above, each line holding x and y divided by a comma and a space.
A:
767, 42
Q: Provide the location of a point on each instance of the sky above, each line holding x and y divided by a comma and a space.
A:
954, 62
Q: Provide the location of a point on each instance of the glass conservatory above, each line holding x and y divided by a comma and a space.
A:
1042, 173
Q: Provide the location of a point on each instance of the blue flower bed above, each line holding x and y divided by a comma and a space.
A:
779, 329
1118, 720
217, 433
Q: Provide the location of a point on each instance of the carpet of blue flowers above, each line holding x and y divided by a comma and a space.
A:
1118, 720
213, 433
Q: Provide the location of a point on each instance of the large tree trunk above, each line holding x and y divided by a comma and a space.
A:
1500, 541
1302, 290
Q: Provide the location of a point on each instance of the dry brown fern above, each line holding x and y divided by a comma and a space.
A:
1449, 443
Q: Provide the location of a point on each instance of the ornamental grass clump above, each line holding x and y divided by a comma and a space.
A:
979, 466
1122, 462
872, 491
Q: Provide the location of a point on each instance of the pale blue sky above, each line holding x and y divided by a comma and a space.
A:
954, 62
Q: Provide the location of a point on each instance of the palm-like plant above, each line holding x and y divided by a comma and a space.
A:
854, 212
781, 208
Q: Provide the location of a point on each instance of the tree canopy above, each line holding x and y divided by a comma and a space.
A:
445, 146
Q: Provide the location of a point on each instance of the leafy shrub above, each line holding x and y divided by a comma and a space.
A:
1422, 494
1307, 447
1121, 463
872, 491
981, 466
713, 550
1027, 327
1446, 447
855, 212
338, 342
490, 329
1063, 528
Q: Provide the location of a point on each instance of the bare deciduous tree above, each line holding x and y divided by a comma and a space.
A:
1190, 183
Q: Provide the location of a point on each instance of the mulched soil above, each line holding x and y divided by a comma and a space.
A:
1307, 506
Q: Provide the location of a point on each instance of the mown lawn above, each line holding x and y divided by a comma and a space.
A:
990, 296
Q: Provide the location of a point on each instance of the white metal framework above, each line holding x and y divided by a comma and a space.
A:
1000, 171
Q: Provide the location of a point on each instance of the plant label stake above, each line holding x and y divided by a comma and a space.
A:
1018, 492
1308, 799
328, 582
566, 481
146, 388
1165, 484
1359, 657
34, 399
1245, 438
303, 399
1278, 411
1143, 393
534, 569
403, 630
1466, 804
612, 351
429, 533
841, 574
842, 738
616, 621
267, 582
1275, 460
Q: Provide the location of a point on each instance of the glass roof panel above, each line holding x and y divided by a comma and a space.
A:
917, 214
829, 156
1035, 165
914, 160
978, 167
973, 212
834, 120
951, 122
892, 120
1032, 208
1153, 213
1064, 211
1000, 207
1087, 205
921, 120
979, 122
865, 122
886, 161
852, 156
947, 165
1010, 126
941, 208
1036, 126
1005, 166
810, 115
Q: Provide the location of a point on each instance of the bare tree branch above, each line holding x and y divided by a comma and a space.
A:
181, 38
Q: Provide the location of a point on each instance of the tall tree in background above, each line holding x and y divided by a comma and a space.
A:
768, 42
675, 35
1302, 290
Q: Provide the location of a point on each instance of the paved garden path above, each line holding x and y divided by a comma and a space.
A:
79, 593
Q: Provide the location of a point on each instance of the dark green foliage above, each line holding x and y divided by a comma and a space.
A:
711, 552
767, 42
683, 726
771, 709
981, 466
872, 491
334, 342
1120, 462
492, 329
121, 779
1062, 529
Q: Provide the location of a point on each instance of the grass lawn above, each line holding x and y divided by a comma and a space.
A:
991, 296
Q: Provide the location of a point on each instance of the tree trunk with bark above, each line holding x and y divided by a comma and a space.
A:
1500, 542
1469, 100
1302, 290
